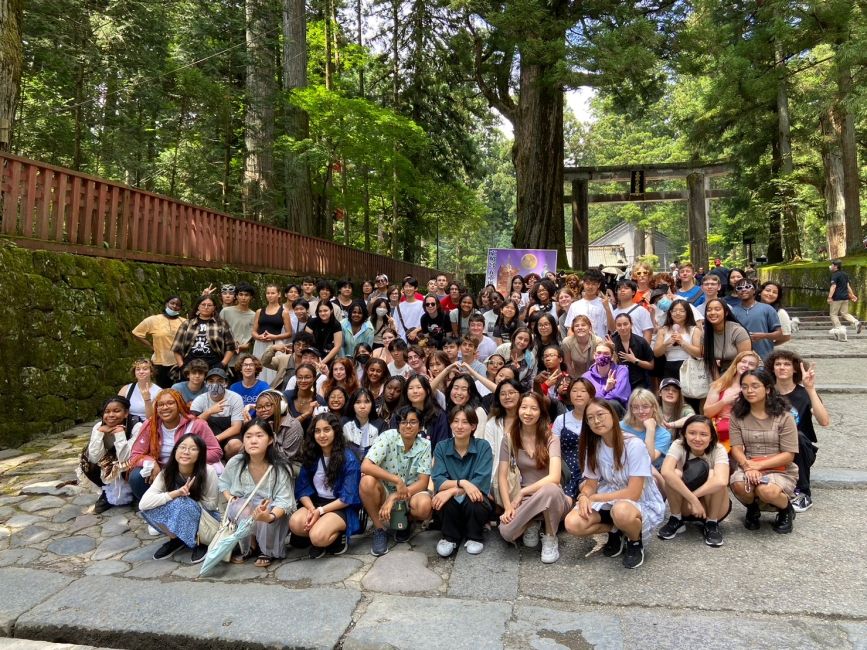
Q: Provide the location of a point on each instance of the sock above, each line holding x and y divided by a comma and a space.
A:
675, 516
711, 521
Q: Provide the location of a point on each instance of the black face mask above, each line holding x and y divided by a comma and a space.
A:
362, 359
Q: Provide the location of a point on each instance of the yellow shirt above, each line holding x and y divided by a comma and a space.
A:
162, 331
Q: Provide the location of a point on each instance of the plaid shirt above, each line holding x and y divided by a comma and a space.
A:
219, 336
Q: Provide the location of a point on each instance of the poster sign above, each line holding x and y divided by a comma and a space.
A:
506, 263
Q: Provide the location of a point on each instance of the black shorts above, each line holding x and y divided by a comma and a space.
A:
319, 501
605, 517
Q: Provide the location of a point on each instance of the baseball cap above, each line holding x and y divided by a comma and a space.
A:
216, 372
669, 381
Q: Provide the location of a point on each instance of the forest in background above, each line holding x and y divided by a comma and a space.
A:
371, 122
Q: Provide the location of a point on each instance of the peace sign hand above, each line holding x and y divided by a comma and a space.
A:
808, 376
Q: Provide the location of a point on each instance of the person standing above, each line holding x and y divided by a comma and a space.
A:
689, 290
839, 296
759, 319
239, 317
162, 329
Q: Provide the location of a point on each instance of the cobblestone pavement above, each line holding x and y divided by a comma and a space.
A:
69, 575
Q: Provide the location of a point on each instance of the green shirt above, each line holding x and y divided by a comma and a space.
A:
475, 466
388, 453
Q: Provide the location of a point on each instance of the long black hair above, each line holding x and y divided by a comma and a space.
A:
430, 410
271, 456
498, 411
312, 452
172, 471
775, 404
474, 399
350, 406
709, 354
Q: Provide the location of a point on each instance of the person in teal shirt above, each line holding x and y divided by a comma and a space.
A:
462, 480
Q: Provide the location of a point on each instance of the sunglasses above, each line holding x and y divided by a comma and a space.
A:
746, 286
640, 273
430, 304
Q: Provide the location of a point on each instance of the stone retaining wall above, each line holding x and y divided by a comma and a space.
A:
807, 284
66, 320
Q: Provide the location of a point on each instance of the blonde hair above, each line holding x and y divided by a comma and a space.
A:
644, 396
729, 377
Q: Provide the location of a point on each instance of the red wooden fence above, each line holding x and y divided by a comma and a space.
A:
53, 208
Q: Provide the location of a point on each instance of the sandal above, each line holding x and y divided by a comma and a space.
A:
240, 558
264, 561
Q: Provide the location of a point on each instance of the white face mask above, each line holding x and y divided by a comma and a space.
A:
381, 311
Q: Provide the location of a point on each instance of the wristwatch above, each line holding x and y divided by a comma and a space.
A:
459, 484
320, 511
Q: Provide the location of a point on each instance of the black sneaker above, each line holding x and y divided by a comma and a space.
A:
614, 546
168, 549
859, 327
754, 516
634, 556
199, 553
402, 536
316, 552
101, 504
712, 536
674, 526
338, 546
785, 517
802, 502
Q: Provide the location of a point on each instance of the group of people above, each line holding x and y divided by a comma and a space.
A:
558, 406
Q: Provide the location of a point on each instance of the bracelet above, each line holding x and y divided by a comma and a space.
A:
320, 511
273, 517
459, 484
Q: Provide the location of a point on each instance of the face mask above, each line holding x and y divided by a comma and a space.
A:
381, 311
664, 304
602, 359
362, 359
216, 391
171, 313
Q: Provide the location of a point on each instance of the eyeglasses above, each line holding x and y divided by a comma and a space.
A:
409, 423
640, 273
746, 286
597, 418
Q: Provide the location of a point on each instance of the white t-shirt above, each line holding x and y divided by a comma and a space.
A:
411, 313
167, 443
641, 320
233, 408
319, 483
594, 310
136, 400
486, 348
490, 321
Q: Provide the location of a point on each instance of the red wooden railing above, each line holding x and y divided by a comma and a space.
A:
48, 207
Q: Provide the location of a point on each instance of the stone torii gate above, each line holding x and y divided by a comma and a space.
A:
698, 195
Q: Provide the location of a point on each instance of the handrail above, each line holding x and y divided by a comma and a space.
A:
50, 207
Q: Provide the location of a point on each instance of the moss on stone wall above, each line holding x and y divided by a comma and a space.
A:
807, 284
66, 320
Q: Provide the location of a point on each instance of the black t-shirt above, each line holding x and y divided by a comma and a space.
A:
638, 376
841, 290
323, 333
802, 410
436, 328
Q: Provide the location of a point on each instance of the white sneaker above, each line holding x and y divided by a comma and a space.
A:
473, 547
550, 549
531, 535
445, 548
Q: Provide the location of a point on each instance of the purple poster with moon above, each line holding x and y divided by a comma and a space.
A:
506, 263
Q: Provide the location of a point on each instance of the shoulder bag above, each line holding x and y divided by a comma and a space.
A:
228, 526
513, 478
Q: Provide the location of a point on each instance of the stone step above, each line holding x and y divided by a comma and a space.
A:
842, 389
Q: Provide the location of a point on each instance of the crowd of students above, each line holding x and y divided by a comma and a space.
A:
558, 406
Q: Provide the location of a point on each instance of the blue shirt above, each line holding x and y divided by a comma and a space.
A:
690, 296
475, 466
249, 395
661, 440
759, 317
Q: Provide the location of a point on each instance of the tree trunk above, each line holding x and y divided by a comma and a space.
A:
835, 200
791, 236
537, 154
259, 116
11, 61
299, 200
365, 180
851, 180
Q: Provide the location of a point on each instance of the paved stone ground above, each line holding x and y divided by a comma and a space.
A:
70, 576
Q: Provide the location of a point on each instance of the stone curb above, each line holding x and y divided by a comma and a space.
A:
838, 478
841, 389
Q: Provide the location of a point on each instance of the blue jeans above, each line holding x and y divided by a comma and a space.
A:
137, 483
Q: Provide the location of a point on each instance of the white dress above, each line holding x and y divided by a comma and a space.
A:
636, 462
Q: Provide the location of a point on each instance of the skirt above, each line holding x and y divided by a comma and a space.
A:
549, 497
784, 481
267, 375
270, 537
180, 516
